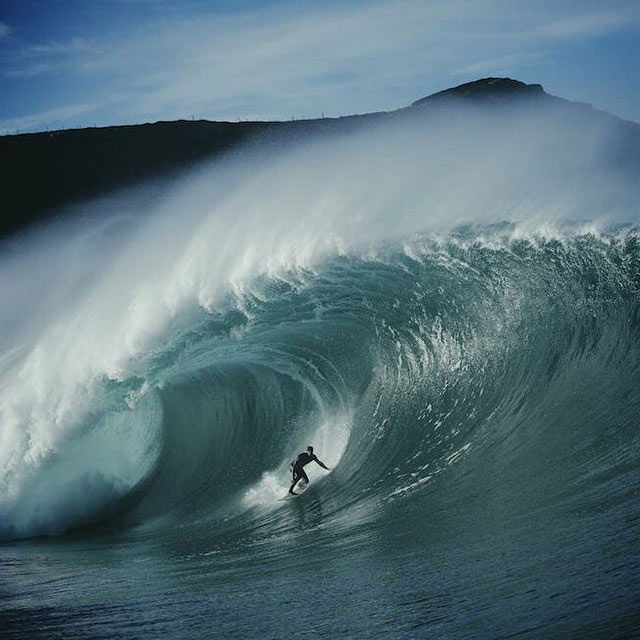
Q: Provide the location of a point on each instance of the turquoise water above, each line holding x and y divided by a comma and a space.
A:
478, 404
470, 381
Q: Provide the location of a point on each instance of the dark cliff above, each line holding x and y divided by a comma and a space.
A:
44, 171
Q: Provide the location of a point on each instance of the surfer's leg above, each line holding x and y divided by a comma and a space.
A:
296, 477
303, 476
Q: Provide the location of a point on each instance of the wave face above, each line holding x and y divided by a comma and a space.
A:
400, 365
466, 383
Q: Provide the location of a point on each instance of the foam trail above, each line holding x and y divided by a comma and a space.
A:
331, 438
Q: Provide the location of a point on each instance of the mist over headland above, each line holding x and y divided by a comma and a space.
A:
46, 171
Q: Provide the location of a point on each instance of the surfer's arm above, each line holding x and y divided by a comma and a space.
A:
322, 464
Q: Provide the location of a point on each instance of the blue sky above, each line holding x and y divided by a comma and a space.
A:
75, 63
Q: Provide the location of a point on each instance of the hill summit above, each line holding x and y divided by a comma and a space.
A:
486, 88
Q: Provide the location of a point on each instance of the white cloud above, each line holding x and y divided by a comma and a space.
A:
503, 64
292, 60
347, 51
44, 118
589, 25
215, 61
31, 60
30, 71
61, 48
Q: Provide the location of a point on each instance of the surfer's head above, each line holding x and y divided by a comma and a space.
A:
310, 449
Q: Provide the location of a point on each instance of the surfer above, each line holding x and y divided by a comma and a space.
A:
297, 467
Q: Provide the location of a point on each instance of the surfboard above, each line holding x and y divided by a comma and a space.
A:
299, 490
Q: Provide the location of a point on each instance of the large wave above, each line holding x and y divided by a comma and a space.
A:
163, 365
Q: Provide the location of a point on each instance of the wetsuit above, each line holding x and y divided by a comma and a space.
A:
298, 468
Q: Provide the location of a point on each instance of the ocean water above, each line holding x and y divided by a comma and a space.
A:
460, 349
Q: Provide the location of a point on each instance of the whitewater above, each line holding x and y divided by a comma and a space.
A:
445, 307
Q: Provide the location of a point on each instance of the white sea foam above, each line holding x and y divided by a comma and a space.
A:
329, 440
